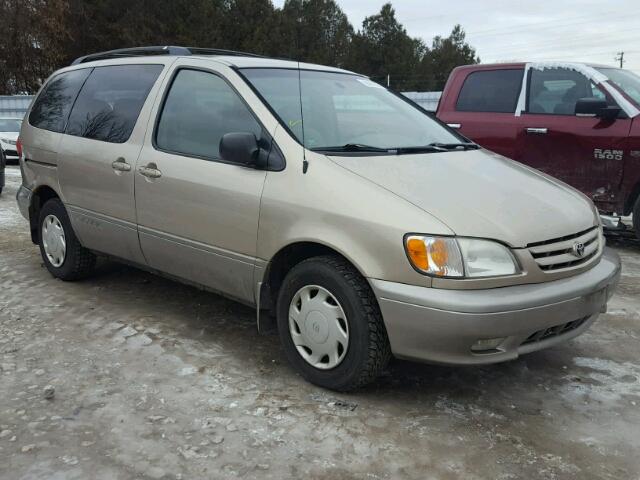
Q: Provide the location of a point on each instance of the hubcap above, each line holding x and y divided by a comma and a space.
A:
318, 327
53, 240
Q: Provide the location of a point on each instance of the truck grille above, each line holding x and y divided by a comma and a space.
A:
568, 251
554, 331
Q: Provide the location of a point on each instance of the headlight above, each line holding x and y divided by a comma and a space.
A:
459, 257
7, 140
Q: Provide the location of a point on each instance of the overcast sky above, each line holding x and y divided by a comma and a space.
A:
503, 30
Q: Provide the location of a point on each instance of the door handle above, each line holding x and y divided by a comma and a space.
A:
120, 165
455, 126
538, 131
150, 171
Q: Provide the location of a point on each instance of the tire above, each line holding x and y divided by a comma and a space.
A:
636, 217
367, 351
76, 262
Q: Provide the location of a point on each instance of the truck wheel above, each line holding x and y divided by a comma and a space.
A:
61, 251
330, 325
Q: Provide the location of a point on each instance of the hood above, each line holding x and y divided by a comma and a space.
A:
480, 194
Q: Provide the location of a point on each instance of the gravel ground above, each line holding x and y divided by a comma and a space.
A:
153, 379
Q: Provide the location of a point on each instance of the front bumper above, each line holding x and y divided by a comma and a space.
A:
23, 197
441, 326
10, 152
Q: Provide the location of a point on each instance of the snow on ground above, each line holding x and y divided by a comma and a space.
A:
127, 375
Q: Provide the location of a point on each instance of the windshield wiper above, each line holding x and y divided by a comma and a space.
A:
455, 146
432, 147
351, 147
437, 147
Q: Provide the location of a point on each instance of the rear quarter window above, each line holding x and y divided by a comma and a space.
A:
110, 101
490, 91
51, 109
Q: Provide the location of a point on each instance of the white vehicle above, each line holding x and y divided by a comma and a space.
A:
9, 131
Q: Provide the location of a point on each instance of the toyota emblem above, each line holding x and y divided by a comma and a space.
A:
578, 249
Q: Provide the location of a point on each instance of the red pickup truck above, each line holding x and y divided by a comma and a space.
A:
577, 122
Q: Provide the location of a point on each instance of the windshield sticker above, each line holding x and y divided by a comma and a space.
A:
368, 83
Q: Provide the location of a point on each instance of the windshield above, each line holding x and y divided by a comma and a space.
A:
9, 125
329, 110
626, 81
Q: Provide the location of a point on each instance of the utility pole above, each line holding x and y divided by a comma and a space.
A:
620, 58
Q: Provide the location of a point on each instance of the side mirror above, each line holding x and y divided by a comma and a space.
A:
240, 147
596, 107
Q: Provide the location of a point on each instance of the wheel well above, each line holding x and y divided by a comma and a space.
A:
283, 262
39, 198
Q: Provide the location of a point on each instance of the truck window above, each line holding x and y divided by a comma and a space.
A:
627, 81
490, 91
556, 90
110, 101
199, 109
51, 109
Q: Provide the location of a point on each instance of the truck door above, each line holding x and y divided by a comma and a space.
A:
484, 110
585, 152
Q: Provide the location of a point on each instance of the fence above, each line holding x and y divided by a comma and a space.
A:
14, 106
427, 100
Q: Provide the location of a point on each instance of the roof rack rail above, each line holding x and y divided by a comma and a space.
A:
160, 50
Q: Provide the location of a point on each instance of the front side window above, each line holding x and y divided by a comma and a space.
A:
328, 110
556, 91
108, 106
199, 109
625, 80
51, 109
494, 91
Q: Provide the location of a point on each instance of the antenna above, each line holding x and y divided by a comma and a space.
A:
305, 162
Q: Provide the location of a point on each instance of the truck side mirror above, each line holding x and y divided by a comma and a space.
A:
239, 147
596, 107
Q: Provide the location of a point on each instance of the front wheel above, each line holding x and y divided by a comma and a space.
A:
330, 325
61, 251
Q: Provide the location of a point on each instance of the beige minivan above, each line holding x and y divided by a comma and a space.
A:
363, 224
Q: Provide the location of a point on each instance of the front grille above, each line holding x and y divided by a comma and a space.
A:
550, 332
561, 253
11, 153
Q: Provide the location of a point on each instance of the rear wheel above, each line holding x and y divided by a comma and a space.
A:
330, 324
61, 251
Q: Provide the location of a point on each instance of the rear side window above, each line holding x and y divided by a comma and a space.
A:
110, 101
51, 109
491, 91
199, 109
